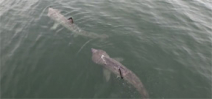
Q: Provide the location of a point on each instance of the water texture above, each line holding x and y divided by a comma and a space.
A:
166, 43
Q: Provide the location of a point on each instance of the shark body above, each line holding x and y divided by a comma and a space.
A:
59, 18
102, 58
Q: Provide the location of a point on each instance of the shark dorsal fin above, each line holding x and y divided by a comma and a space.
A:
120, 73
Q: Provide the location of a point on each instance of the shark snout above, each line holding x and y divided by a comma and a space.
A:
93, 50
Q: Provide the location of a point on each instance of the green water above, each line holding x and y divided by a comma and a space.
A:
166, 43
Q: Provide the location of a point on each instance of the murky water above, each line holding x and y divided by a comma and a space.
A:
166, 43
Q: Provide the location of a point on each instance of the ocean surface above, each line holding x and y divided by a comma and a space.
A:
166, 43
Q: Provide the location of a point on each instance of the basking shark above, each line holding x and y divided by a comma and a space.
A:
59, 18
102, 58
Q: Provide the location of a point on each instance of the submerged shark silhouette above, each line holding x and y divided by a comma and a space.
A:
59, 18
102, 58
